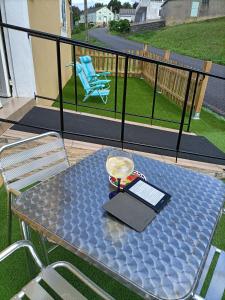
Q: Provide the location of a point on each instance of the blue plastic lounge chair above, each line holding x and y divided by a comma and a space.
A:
97, 90
104, 82
89, 70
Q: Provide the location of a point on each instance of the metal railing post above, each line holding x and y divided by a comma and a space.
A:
193, 102
154, 94
124, 100
75, 74
58, 52
116, 79
183, 113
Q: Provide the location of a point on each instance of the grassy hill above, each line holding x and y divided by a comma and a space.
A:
204, 40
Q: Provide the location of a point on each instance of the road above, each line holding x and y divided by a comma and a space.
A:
215, 92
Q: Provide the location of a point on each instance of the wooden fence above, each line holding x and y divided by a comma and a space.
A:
171, 82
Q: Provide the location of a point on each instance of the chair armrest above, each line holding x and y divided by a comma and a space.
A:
14, 192
103, 73
87, 281
103, 81
21, 244
97, 86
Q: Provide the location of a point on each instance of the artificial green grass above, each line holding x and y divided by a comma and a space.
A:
14, 274
139, 101
204, 40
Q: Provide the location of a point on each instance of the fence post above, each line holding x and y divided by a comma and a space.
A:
154, 94
166, 55
206, 68
193, 102
145, 47
58, 53
144, 53
75, 74
124, 100
116, 79
183, 113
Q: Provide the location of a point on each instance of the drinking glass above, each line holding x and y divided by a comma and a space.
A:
119, 164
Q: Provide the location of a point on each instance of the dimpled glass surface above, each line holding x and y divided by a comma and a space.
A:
163, 261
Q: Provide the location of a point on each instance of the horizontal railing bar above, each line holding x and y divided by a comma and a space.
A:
203, 155
87, 106
50, 36
44, 97
110, 110
109, 139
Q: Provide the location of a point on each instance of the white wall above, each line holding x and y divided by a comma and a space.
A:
19, 48
4, 76
104, 14
129, 18
153, 9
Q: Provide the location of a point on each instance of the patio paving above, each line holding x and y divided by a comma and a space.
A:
101, 127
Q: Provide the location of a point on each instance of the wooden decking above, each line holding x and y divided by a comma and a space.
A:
78, 150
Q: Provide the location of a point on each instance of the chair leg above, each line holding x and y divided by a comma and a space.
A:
44, 249
9, 238
86, 97
25, 232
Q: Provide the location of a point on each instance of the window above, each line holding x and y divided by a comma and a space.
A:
63, 14
194, 9
205, 2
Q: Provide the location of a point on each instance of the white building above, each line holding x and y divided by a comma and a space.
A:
148, 10
98, 16
127, 14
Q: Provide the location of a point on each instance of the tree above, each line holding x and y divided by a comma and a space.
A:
116, 5
126, 5
135, 4
76, 13
98, 4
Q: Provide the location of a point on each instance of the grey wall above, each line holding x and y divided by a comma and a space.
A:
179, 11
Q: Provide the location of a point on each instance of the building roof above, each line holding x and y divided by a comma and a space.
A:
127, 11
93, 9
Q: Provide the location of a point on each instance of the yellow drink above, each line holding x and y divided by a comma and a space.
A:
119, 166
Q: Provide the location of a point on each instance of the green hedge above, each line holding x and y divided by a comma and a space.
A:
122, 26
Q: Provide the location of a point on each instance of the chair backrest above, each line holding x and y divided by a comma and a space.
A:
32, 160
87, 65
82, 76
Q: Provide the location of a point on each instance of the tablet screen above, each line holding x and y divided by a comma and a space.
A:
147, 192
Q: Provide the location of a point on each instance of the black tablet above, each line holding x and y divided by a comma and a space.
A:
130, 211
148, 194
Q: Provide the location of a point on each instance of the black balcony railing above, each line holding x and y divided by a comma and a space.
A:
58, 40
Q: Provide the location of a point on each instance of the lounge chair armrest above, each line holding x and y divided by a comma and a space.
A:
97, 86
14, 192
21, 244
103, 73
100, 82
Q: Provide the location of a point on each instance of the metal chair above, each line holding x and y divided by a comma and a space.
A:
34, 290
98, 90
89, 69
216, 287
94, 80
27, 162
